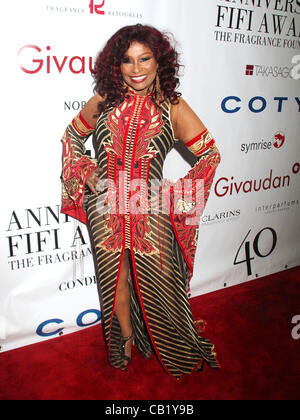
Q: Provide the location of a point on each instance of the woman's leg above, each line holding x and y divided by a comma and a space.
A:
122, 306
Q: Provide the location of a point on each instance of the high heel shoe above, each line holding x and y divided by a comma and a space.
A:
124, 340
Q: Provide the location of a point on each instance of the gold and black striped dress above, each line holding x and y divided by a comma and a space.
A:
131, 142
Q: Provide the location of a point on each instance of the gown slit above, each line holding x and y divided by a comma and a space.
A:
140, 302
114, 301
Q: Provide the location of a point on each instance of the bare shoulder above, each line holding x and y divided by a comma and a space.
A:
177, 108
185, 121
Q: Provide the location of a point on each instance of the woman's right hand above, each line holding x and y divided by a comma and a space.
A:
92, 180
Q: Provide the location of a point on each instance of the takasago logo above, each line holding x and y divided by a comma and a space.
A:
249, 70
97, 8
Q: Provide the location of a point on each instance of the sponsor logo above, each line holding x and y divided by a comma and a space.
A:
85, 319
221, 217
276, 143
225, 186
275, 207
33, 60
257, 104
261, 70
279, 139
99, 8
249, 70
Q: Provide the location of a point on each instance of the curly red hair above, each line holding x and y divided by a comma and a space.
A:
107, 74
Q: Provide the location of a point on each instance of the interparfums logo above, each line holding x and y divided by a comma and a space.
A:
97, 8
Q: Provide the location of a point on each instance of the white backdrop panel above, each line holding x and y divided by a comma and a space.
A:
48, 284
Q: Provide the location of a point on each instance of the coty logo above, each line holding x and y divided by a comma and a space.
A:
96, 8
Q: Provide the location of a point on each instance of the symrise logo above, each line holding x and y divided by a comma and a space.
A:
277, 142
279, 139
96, 8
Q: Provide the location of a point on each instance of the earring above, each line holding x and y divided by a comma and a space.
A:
125, 86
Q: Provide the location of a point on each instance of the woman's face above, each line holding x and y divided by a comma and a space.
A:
139, 67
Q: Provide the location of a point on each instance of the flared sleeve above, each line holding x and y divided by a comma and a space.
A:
76, 167
189, 195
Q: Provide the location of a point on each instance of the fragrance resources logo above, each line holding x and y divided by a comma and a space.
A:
99, 8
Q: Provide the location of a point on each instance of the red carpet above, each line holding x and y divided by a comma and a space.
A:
250, 325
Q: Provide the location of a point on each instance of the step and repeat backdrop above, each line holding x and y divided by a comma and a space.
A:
241, 75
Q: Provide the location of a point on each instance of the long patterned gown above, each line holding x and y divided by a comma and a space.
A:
158, 225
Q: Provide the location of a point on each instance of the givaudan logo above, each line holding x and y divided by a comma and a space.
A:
225, 186
32, 60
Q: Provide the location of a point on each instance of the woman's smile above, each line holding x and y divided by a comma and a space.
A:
138, 79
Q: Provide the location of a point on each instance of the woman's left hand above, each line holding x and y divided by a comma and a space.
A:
93, 179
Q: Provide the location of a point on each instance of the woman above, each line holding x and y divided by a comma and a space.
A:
144, 259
